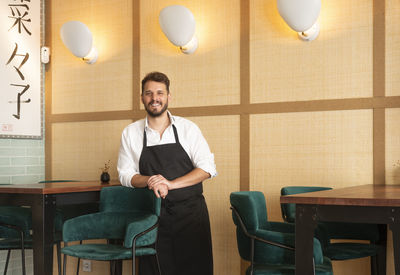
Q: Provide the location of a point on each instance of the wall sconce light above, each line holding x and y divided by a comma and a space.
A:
179, 26
301, 16
77, 37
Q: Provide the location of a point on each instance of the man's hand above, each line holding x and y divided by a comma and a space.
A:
159, 185
160, 190
156, 180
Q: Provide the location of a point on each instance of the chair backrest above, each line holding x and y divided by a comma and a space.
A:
20, 217
125, 199
289, 209
251, 207
119, 206
8, 233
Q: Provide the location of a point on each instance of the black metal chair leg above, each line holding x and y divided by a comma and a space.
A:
58, 244
23, 261
252, 256
23, 254
65, 261
64, 264
113, 265
7, 261
133, 258
79, 261
374, 266
77, 266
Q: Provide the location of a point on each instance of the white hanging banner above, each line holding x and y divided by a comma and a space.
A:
20, 90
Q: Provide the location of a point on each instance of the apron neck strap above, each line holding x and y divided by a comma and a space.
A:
145, 136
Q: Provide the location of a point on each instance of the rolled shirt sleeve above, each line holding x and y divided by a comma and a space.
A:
128, 162
197, 148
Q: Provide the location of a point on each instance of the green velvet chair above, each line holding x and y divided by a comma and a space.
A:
267, 245
128, 214
15, 225
328, 231
15, 233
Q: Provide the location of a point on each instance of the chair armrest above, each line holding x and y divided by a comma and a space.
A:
287, 240
281, 227
102, 225
143, 231
275, 238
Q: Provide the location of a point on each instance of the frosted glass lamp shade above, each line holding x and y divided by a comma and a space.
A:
77, 37
301, 15
178, 24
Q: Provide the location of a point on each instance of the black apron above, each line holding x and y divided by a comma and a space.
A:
184, 236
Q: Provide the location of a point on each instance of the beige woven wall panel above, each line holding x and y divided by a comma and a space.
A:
208, 77
338, 64
392, 142
80, 149
316, 148
392, 48
107, 84
222, 134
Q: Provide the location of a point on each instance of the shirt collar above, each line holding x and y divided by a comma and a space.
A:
171, 118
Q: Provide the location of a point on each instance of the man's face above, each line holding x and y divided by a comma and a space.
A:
155, 98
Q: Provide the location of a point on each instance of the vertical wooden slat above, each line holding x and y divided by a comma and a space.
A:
245, 152
48, 91
378, 48
379, 90
244, 102
245, 52
244, 94
379, 145
136, 56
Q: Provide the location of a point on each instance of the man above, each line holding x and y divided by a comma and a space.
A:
169, 155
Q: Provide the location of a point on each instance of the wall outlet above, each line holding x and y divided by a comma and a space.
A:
86, 266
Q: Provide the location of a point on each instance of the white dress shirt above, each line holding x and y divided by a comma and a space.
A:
190, 137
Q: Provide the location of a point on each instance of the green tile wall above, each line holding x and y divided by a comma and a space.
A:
21, 161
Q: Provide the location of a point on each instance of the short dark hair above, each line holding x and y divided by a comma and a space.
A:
157, 77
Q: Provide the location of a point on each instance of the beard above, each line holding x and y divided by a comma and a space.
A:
154, 113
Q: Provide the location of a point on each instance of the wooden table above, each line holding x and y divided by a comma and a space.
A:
379, 204
43, 198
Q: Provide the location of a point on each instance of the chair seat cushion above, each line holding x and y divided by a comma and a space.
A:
346, 251
105, 225
270, 269
105, 252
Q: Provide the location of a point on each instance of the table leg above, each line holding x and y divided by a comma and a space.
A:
305, 225
378, 266
117, 265
43, 212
